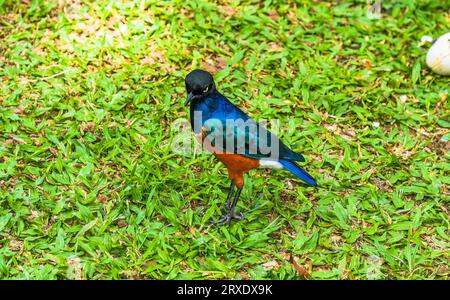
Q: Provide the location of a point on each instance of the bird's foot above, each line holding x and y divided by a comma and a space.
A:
239, 216
226, 218
223, 220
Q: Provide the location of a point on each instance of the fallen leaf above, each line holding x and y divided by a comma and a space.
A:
271, 265
192, 230
275, 47
300, 270
273, 15
121, 223
228, 11
17, 140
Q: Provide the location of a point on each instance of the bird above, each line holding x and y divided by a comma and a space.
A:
235, 139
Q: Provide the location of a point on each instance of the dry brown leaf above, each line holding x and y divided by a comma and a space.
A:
300, 270
121, 223
347, 133
228, 11
16, 245
292, 17
53, 151
273, 15
17, 140
214, 64
154, 55
275, 47
192, 230
367, 63
8, 142
400, 151
271, 265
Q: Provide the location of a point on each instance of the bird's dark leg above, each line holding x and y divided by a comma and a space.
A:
226, 218
228, 201
239, 216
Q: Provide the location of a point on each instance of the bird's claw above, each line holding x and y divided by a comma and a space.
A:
239, 216
226, 218
223, 220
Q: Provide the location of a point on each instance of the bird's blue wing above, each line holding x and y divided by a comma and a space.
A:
229, 129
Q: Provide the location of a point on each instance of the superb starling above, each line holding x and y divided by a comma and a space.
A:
235, 139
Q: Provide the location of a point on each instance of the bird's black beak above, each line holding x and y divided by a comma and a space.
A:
189, 98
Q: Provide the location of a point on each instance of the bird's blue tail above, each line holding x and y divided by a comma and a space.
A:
297, 171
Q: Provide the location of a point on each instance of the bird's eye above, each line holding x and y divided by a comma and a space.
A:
206, 90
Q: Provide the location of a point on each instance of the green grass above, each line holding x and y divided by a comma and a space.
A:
90, 186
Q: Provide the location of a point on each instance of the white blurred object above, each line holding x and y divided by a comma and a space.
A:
374, 11
426, 39
438, 57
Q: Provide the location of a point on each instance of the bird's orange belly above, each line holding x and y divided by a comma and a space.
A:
237, 165
237, 162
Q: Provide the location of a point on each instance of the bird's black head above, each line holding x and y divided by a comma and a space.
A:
199, 84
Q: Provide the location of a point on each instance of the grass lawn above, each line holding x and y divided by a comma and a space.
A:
91, 188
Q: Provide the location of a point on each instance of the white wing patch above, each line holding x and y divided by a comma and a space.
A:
270, 164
